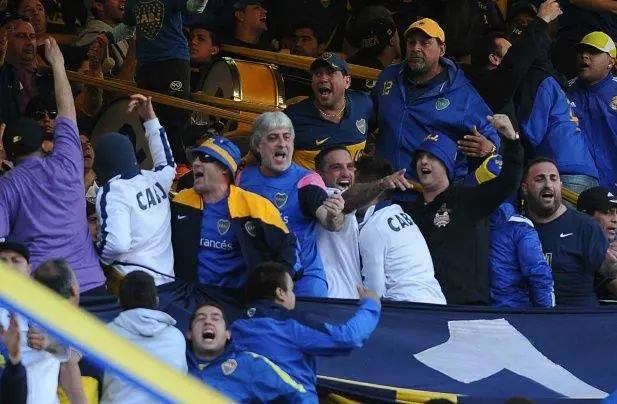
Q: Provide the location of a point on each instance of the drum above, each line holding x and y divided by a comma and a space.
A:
114, 117
241, 80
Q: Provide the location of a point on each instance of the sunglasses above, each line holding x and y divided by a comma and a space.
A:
204, 158
38, 115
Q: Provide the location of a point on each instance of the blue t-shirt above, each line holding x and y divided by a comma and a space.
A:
159, 29
574, 246
297, 193
220, 260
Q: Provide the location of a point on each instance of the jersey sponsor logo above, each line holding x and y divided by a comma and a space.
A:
320, 142
250, 228
400, 221
564, 235
442, 103
613, 104
151, 196
361, 125
442, 217
280, 199
229, 366
149, 16
175, 85
216, 244
223, 226
387, 87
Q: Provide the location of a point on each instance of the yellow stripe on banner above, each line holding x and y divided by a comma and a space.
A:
91, 336
402, 395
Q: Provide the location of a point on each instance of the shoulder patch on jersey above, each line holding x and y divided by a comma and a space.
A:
246, 204
613, 104
229, 366
520, 219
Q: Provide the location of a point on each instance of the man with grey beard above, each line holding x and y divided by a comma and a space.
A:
574, 244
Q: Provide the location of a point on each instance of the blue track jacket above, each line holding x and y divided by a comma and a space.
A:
552, 131
246, 377
293, 341
520, 276
451, 108
596, 109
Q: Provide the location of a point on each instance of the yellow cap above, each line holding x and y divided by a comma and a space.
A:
429, 27
600, 41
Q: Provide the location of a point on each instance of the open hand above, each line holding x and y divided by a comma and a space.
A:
11, 337
475, 144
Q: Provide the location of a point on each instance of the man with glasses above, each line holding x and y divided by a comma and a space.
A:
220, 231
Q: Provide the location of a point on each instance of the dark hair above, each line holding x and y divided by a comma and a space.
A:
485, 47
208, 304
371, 168
138, 291
206, 27
536, 161
264, 279
40, 103
321, 156
57, 276
319, 34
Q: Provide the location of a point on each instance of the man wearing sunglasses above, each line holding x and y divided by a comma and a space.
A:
220, 231
44, 111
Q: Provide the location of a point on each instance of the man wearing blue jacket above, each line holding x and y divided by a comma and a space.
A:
245, 377
594, 102
428, 93
271, 327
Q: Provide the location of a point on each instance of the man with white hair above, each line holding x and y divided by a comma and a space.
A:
299, 194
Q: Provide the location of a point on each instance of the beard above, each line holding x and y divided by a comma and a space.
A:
535, 205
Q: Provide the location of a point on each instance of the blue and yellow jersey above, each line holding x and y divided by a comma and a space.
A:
216, 244
297, 193
314, 133
247, 377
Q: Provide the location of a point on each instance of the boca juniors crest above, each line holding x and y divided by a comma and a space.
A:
280, 199
149, 16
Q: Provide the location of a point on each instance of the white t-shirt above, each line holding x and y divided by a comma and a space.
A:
396, 262
42, 368
341, 257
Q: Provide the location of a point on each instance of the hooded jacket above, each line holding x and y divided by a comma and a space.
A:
548, 125
451, 107
154, 332
246, 377
133, 207
92, 31
596, 109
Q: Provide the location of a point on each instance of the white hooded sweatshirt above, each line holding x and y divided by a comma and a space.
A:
154, 332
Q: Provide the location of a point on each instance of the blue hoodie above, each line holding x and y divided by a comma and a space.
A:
451, 108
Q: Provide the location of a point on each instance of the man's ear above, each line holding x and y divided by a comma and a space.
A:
215, 50
494, 59
227, 335
347, 81
187, 334
442, 47
524, 190
279, 294
239, 15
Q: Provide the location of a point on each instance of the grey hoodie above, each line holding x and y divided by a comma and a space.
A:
154, 332
93, 30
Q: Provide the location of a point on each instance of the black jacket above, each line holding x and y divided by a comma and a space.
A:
455, 226
262, 235
13, 384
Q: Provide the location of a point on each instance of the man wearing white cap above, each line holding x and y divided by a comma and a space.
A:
594, 101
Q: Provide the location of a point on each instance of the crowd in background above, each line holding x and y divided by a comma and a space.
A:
477, 169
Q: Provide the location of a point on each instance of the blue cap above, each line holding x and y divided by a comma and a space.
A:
489, 169
441, 147
331, 60
221, 149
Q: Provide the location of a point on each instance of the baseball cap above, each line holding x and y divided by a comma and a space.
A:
371, 13
243, 3
600, 41
22, 137
331, 60
596, 199
441, 147
221, 149
377, 34
15, 247
429, 27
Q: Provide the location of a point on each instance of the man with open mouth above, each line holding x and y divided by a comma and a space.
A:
574, 244
243, 376
594, 102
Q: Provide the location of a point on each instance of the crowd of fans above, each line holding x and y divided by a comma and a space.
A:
441, 182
